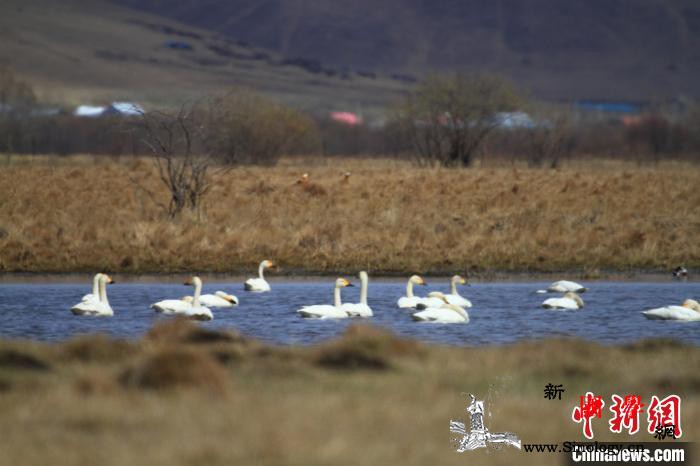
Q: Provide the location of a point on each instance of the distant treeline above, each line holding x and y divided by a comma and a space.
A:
446, 120
652, 138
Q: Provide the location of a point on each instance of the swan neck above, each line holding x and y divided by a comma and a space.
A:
409, 289
96, 286
363, 291
260, 270
103, 292
197, 291
336, 297
453, 288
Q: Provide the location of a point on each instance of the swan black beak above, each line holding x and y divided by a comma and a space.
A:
349, 284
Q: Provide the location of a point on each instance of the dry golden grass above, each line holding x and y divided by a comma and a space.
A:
173, 401
86, 214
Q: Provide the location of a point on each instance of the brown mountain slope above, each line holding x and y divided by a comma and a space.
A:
560, 49
92, 51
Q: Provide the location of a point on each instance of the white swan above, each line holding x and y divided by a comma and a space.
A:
409, 300
192, 309
690, 310
99, 307
570, 301
454, 297
326, 311
564, 286
218, 299
360, 309
259, 284
446, 313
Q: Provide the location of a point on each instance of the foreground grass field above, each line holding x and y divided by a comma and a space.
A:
186, 396
80, 214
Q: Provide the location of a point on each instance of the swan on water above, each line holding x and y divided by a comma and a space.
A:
409, 300
570, 301
96, 307
326, 311
218, 299
259, 284
454, 297
95, 295
186, 307
689, 310
360, 309
564, 286
446, 313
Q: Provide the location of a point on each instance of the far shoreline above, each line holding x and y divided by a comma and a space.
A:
303, 275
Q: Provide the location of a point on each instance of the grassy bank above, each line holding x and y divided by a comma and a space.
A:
186, 396
388, 217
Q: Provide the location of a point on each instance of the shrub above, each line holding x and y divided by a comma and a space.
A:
176, 368
247, 128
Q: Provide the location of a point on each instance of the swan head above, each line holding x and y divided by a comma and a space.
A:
692, 304
194, 281
459, 280
575, 297
225, 296
342, 283
267, 264
417, 280
363, 275
106, 279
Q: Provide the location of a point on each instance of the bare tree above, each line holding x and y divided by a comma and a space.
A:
551, 139
448, 117
177, 142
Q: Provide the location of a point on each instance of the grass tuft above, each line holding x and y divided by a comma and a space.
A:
363, 346
12, 359
176, 368
96, 348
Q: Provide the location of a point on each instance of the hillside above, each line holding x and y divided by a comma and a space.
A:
77, 51
613, 49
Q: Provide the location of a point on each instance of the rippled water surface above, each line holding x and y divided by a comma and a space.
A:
502, 312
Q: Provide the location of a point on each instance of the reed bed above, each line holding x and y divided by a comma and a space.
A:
90, 213
183, 395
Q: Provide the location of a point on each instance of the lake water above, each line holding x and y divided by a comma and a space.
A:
503, 312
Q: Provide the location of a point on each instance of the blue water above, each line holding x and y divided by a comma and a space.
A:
502, 312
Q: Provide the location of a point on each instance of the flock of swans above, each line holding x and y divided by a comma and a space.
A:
434, 307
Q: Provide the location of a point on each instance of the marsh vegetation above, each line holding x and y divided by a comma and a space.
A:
183, 395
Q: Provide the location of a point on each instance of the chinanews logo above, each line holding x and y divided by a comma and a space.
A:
630, 414
663, 416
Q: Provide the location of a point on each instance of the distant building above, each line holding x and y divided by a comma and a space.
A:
126, 109
90, 111
512, 120
609, 107
348, 118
